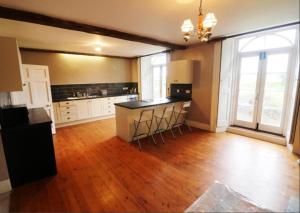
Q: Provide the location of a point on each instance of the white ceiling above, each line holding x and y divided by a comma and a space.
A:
45, 37
159, 19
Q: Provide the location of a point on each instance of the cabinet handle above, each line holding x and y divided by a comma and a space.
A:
68, 112
68, 107
68, 118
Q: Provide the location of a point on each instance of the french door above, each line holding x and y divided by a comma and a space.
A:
262, 90
159, 81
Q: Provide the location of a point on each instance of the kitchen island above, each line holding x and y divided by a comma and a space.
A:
127, 112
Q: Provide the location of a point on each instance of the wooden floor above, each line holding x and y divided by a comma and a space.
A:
99, 172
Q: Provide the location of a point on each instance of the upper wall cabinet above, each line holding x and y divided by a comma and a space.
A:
10, 65
181, 72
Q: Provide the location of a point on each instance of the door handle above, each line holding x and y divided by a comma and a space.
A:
48, 105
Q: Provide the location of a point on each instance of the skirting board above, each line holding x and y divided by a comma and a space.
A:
258, 135
221, 129
198, 125
5, 186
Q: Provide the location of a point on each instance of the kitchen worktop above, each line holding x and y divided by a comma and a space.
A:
38, 116
150, 103
88, 97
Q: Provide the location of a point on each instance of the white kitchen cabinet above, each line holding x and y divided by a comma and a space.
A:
180, 72
83, 109
96, 107
76, 110
56, 111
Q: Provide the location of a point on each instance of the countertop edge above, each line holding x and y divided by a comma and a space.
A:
88, 98
152, 104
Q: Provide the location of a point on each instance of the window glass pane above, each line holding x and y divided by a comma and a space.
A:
164, 82
288, 34
273, 101
256, 44
279, 39
247, 88
274, 41
244, 41
156, 82
159, 59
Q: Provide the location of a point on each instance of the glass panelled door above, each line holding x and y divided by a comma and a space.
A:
274, 91
247, 90
262, 90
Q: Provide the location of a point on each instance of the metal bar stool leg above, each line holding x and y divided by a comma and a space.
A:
158, 130
149, 131
169, 127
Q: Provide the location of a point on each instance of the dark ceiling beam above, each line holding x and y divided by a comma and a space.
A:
21, 15
70, 52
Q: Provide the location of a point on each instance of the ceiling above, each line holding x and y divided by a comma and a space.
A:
158, 19
45, 37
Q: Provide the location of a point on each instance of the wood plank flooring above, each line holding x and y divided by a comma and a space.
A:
99, 172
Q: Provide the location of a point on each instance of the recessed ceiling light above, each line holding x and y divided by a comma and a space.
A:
98, 49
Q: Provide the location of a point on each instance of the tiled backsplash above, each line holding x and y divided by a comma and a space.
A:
5, 98
64, 91
181, 91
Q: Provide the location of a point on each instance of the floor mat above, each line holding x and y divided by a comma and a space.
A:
220, 198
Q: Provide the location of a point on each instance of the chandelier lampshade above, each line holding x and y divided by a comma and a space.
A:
187, 26
209, 21
204, 26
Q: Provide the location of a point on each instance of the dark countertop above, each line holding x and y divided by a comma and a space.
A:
38, 116
149, 103
84, 98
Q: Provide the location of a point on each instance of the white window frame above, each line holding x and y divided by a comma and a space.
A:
294, 62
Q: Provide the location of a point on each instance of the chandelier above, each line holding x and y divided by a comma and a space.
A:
204, 26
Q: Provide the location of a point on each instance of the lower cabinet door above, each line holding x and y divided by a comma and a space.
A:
83, 111
96, 107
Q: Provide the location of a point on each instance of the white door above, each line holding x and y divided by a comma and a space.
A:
262, 90
36, 87
247, 90
274, 87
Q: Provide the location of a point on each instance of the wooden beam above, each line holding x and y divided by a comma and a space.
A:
70, 52
36, 18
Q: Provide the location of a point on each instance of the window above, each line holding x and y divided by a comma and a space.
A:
279, 39
153, 76
266, 62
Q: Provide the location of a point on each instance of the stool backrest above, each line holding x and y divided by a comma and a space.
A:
169, 108
145, 114
178, 106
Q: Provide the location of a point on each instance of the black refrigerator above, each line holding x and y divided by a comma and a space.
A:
28, 144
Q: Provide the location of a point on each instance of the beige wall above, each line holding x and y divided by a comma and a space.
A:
10, 78
205, 82
80, 69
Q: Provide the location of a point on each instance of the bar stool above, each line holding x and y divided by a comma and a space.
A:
162, 118
180, 114
146, 117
